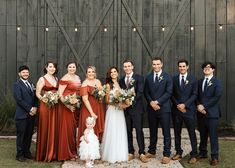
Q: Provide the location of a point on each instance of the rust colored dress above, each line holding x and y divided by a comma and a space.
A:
67, 148
97, 108
47, 131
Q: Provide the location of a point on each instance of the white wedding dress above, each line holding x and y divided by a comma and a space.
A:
114, 146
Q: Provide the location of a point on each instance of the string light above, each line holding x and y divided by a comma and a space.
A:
134, 29
220, 26
75, 29
46, 29
191, 28
163, 28
18, 28
105, 29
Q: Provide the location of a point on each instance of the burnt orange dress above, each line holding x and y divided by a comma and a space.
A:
97, 108
67, 148
47, 131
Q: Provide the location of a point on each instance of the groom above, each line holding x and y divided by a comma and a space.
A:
134, 113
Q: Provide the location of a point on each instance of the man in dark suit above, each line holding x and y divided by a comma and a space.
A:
24, 115
158, 90
184, 97
209, 93
134, 113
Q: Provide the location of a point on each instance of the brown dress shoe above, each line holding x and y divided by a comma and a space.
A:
177, 157
149, 155
192, 160
214, 162
165, 160
130, 156
143, 158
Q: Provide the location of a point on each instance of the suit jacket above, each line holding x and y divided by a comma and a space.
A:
138, 84
210, 97
186, 95
160, 91
25, 99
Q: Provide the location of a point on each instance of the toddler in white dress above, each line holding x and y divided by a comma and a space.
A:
89, 145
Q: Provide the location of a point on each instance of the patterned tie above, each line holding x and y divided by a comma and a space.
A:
205, 84
182, 82
28, 86
127, 81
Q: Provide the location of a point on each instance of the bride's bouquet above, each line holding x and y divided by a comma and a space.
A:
50, 98
73, 100
99, 92
125, 96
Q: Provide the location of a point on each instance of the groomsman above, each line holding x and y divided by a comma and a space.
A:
158, 90
184, 97
25, 114
210, 91
134, 113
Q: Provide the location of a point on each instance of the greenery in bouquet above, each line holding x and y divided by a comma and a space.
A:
73, 100
125, 96
50, 98
99, 92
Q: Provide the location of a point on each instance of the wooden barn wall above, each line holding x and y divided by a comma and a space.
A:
33, 46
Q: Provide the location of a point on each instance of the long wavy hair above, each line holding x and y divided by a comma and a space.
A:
108, 79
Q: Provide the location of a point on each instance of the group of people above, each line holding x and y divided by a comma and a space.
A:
62, 128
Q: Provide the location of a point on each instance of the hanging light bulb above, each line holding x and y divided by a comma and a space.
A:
105, 29
191, 28
75, 29
163, 28
18, 28
220, 26
134, 29
46, 28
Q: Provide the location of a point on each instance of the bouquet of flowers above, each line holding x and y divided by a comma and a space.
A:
99, 92
50, 98
125, 96
73, 100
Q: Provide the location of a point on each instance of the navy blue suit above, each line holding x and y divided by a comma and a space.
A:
25, 100
134, 113
186, 94
207, 124
160, 90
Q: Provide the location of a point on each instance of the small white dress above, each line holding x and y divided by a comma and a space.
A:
89, 150
114, 146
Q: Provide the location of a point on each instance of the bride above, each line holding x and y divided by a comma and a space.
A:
114, 146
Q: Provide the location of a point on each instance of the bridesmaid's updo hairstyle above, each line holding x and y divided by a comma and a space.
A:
47, 64
108, 79
72, 62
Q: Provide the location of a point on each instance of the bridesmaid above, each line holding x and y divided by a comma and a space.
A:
47, 133
69, 84
91, 106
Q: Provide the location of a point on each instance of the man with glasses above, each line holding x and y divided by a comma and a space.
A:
209, 93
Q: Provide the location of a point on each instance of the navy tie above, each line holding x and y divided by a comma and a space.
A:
156, 78
28, 86
182, 82
205, 84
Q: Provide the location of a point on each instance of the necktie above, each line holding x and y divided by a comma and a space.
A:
127, 80
28, 86
205, 84
182, 82
156, 78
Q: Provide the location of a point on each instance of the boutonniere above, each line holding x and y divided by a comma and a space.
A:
186, 82
209, 83
160, 78
33, 87
132, 81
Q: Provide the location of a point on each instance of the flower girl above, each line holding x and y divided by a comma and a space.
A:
89, 145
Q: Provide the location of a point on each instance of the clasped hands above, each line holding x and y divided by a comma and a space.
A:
201, 109
33, 111
155, 105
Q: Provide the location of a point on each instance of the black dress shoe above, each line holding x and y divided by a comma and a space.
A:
20, 159
28, 156
214, 162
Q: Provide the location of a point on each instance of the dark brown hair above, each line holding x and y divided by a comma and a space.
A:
46, 65
108, 79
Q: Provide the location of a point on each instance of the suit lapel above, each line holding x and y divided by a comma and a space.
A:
24, 86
